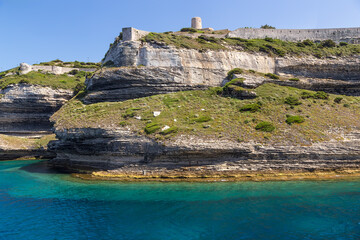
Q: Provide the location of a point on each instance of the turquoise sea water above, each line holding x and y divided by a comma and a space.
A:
54, 206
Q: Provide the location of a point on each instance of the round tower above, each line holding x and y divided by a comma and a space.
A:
196, 23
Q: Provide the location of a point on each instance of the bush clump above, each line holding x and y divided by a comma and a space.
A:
130, 112
316, 95
266, 26
231, 73
190, 30
169, 131
328, 44
293, 101
202, 119
253, 107
151, 128
294, 119
321, 95
272, 76
265, 127
338, 99
294, 79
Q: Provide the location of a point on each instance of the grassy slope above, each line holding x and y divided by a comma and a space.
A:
324, 119
270, 46
75, 64
36, 78
13, 142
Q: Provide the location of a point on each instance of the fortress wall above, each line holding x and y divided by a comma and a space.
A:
133, 34
350, 35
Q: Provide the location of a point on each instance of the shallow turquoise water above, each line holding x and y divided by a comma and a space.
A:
52, 206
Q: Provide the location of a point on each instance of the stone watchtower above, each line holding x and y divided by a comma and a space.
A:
196, 23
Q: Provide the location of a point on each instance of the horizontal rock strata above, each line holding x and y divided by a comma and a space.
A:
100, 149
27, 108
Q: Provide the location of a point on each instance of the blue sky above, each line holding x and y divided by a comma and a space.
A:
42, 30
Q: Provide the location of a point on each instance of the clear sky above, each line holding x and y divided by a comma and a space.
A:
34, 31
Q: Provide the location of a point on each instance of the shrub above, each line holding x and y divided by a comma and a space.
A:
305, 95
216, 90
151, 128
209, 39
122, 123
190, 30
265, 127
293, 101
338, 99
252, 71
321, 95
169, 131
346, 105
294, 119
267, 27
343, 44
308, 42
202, 119
253, 107
231, 73
317, 95
272, 76
269, 39
300, 44
73, 72
328, 44
79, 87
294, 79
235, 81
130, 112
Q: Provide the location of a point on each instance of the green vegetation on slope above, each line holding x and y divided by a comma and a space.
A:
14, 142
268, 45
75, 64
63, 81
208, 115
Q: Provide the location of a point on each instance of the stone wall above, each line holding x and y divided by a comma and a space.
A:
132, 34
350, 35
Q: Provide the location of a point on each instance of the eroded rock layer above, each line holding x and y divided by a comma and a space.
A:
101, 149
27, 108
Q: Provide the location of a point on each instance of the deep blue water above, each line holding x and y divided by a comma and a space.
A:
54, 206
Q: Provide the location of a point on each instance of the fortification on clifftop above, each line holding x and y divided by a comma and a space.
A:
349, 35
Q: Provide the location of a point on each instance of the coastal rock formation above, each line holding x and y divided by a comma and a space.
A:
26, 109
120, 149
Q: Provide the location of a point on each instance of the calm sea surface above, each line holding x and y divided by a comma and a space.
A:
35, 205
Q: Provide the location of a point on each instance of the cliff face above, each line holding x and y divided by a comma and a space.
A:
148, 68
144, 69
209, 67
27, 108
105, 149
128, 83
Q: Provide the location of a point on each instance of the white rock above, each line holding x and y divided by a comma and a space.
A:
202, 109
138, 117
25, 68
165, 128
156, 113
175, 120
